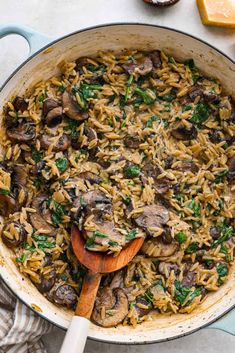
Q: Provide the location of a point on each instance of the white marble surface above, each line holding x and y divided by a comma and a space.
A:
58, 17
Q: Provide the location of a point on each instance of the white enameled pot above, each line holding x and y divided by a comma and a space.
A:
41, 65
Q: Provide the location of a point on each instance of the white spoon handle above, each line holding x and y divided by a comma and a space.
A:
76, 335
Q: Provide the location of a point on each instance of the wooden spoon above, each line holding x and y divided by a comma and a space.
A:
97, 263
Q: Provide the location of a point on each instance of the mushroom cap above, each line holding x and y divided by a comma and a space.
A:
54, 117
116, 307
71, 109
41, 217
62, 144
8, 205
14, 241
182, 133
25, 131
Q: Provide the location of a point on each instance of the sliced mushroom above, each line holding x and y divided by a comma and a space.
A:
25, 131
20, 103
48, 105
54, 117
63, 295
38, 167
15, 238
46, 282
41, 218
161, 185
165, 268
94, 202
156, 248
151, 217
62, 144
187, 166
189, 278
211, 97
8, 205
194, 92
139, 307
155, 56
132, 141
215, 233
141, 66
166, 236
161, 3
92, 178
71, 109
182, 133
19, 180
116, 307
231, 169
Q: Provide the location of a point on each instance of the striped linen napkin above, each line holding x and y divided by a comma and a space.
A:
20, 328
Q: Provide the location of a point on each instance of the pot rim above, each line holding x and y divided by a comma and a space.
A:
55, 41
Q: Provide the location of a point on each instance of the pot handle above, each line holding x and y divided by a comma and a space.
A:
76, 335
35, 40
226, 323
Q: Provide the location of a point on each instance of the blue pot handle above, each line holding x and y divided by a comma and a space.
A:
35, 40
226, 323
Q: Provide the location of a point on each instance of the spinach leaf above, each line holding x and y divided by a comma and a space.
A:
131, 171
181, 293
220, 176
112, 243
180, 237
57, 213
169, 97
226, 232
193, 247
200, 114
129, 82
222, 270
62, 164
131, 235
195, 73
71, 128
22, 258
126, 200
90, 242
195, 293
36, 155
152, 120
195, 208
148, 296
5, 192
144, 96
99, 234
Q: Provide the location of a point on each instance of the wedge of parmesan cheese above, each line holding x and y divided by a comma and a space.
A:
217, 12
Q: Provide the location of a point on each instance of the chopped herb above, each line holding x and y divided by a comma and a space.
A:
62, 88
180, 237
186, 108
193, 247
57, 213
200, 114
40, 237
131, 235
152, 120
169, 97
144, 96
99, 234
113, 243
131, 305
226, 232
36, 155
148, 296
165, 123
22, 258
220, 176
178, 196
181, 292
171, 60
159, 283
195, 73
96, 68
126, 200
71, 128
62, 164
111, 98
82, 202
167, 108
224, 249
90, 242
88, 91
222, 270
122, 102
129, 83
42, 97
5, 192
131, 171
196, 293
195, 208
